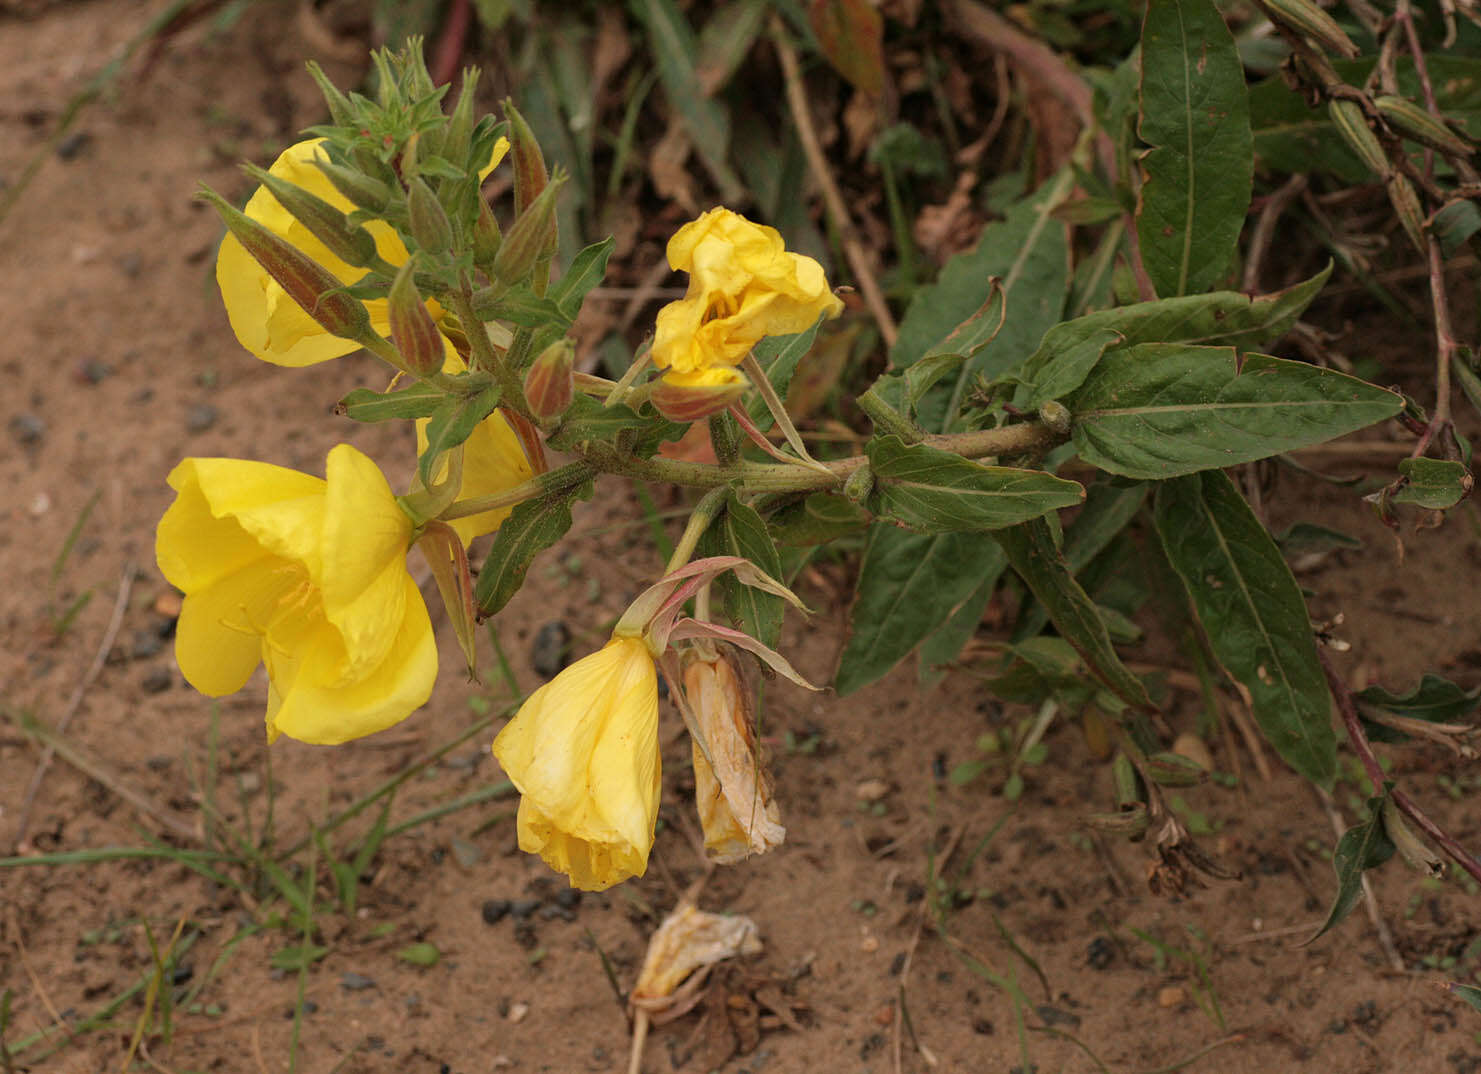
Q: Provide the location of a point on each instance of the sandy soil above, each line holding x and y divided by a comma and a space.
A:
118, 361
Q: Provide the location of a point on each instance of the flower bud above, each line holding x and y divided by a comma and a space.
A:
1405, 200
1056, 416
1412, 121
487, 238
687, 397
1306, 18
340, 109
731, 787
316, 290
362, 190
455, 140
412, 328
430, 226
532, 238
550, 382
1347, 116
859, 485
349, 242
529, 164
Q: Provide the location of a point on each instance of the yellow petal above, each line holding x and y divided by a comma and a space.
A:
218, 640
313, 707
493, 461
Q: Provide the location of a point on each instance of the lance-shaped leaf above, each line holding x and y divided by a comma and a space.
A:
1195, 111
1363, 846
908, 586
779, 355
945, 644
1469, 993
586, 271
1034, 557
1157, 410
851, 35
452, 423
1435, 700
1252, 612
935, 491
531, 528
737, 530
586, 419
1069, 351
418, 400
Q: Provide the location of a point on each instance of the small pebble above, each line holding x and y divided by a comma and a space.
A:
465, 853
551, 651
523, 908
92, 371
518, 1012
1171, 996
145, 644
73, 146
40, 503
568, 898
28, 429
355, 982
168, 604
494, 910
130, 263
871, 790
157, 681
180, 974
1053, 1016
525, 936
1100, 953
200, 417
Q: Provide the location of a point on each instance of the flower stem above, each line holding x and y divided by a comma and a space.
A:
699, 520
541, 484
511, 391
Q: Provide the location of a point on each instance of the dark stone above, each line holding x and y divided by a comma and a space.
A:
523, 908
355, 982
28, 429
551, 651
74, 145
157, 681
1053, 1016
494, 910
1100, 953
182, 973
982, 1027
130, 264
525, 936
200, 417
145, 644
897, 964
875, 1042
568, 898
92, 371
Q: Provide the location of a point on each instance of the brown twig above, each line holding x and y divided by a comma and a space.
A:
74, 702
853, 249
1445, 347
1264, 231
1364, 749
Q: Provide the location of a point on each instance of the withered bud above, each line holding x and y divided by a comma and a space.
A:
412, 328
550, 382
349, 242
530, 176
316, 290
689, 398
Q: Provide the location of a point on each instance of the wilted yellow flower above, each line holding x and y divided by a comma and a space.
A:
583, 751
268, 322
731, 789
743, 286
306, 575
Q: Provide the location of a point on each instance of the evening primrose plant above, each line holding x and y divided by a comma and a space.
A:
373, 233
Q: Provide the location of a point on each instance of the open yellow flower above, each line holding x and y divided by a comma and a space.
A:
306, 575
583, 751
268, 322
743, 286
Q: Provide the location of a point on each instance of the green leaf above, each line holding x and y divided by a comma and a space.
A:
1363, 846
739, 531
705, 120
1028, 252
1069, 351
1469, 993
908, 586
531, 528
452, 423
779, 355
1197, 180
1290, 136
522, 307
820, 518
417, 400
851, 36
1456, 223
1251, 609
945, 643
1157, 410
1435, 700
297, 957
1035, 558
588, 419
1434, 483
935, 491
586, 271
1040, 668
420, 954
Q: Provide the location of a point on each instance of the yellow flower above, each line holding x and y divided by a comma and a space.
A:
266, 321
731, 789
494, 461
583, 751
307, 576
743, 286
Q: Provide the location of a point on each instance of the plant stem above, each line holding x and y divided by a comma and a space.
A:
539, 485
699, 520
511, 391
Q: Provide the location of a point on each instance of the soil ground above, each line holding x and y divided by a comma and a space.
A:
118, 361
